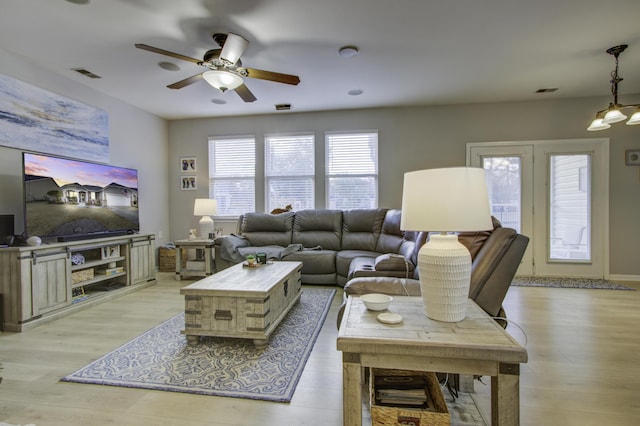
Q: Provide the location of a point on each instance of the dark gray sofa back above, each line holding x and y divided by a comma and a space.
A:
317, 227
394, 240
361, 228
263, 229
391, 237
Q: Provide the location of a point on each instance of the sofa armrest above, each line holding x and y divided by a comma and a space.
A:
385, 285
226, 248
497, 279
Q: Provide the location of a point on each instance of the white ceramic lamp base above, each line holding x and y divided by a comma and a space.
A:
206, 226
445, 273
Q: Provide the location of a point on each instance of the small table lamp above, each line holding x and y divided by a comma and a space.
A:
445, 200
205, 207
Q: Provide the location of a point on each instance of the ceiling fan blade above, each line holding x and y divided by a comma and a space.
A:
272, 76
187, 81
244, 92
234, 46
167, 53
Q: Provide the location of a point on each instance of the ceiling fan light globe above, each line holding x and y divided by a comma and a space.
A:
222, 80
598, 124
614, 115
635, 118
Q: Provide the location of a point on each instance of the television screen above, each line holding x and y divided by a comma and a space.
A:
70, 199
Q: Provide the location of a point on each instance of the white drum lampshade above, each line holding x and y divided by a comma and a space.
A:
445, 200
205, 207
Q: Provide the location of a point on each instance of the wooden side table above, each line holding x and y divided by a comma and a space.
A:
200, 244
476, 345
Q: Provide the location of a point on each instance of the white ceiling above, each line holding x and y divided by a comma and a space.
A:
412, 52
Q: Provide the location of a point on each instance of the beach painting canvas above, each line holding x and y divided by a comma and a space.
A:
35, 119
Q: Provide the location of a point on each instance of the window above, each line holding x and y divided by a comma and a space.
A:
504, 181
289, 171
352, 170
570, 207
232, 169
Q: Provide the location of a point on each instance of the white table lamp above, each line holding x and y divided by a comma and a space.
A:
445, 200
205, 207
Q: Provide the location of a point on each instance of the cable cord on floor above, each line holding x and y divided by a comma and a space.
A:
453, 390
508, 321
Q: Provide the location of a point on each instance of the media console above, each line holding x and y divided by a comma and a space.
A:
67, 238
42, 283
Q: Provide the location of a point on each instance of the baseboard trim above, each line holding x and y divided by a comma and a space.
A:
621, 277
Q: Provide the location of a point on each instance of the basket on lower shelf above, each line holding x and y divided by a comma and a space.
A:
168, 259
385, 409
82, 275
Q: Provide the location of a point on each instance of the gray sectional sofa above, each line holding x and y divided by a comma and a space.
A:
333, 245
367, 251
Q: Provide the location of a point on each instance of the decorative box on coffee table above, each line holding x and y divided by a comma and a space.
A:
243, 302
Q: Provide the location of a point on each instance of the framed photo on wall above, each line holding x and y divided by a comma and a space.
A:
188, 183
188, 165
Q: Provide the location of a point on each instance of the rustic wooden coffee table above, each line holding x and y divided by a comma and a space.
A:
240, 301
476, 345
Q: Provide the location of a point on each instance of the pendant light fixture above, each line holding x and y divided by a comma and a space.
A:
614, 113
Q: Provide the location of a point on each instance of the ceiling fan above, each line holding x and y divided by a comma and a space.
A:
225, 70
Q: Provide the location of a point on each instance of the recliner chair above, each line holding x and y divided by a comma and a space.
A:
495, 255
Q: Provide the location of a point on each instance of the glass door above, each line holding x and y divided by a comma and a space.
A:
560, 201
572, 189
509, 179
569, 207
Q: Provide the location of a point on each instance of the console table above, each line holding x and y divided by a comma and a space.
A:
200, 244
476, 345
42, 283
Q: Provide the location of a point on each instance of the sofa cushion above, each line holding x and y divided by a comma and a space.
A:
344, 258
391, 237
272, 252
366, 267
262, 229
318, 228
474, 241
361, 228
315, 261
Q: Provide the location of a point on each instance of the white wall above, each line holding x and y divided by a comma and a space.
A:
410, 139
426, 137
137, 140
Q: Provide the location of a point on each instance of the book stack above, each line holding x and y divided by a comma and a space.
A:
111, 271
407, 391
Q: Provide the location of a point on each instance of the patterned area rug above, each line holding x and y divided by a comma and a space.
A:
160, 359
560, 282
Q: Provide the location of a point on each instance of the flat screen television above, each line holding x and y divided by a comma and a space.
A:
67, 199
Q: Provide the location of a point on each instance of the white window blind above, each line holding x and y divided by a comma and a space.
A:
352, 170
232, 169
289, 171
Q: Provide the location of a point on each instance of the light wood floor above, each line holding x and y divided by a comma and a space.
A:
583, 366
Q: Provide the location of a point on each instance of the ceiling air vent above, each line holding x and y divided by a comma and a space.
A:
283, 107
85, 72
549, 90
